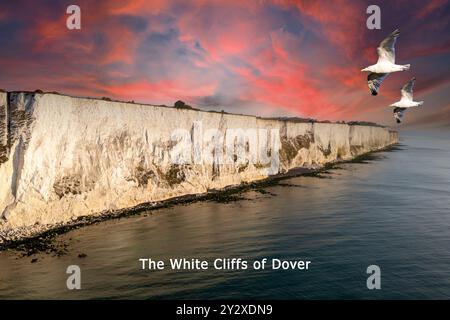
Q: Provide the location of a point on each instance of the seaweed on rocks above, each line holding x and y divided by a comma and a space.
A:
42, 238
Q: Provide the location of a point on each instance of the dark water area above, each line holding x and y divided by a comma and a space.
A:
393, 212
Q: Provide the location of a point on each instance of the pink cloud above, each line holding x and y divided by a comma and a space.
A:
304, 57
430, 7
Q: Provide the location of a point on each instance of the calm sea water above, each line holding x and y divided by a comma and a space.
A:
393, 212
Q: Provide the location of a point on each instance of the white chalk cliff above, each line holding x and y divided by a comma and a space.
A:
63, 157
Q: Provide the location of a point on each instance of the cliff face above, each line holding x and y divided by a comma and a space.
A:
63, 157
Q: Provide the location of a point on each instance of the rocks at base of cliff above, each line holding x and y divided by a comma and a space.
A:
63, 157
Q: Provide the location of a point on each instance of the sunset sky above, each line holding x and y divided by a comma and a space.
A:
268, 58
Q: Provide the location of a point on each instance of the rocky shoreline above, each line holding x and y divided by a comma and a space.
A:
65, 157
35, 238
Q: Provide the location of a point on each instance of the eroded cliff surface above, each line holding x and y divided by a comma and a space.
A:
63, 157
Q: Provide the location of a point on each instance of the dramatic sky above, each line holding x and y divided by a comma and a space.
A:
264, 57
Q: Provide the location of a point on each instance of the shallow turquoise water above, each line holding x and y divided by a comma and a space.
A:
393, 212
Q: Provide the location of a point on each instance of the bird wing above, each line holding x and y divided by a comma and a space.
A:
374, 81
407, 90
386, 49
398, 114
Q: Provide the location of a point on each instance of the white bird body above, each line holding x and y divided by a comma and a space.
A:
386, 67
406, 101
406, 104
385, 64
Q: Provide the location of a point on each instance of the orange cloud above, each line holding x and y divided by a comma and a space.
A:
162, 91
137, 6
299, 56
430, 7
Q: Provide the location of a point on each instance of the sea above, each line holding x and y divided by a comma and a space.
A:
389, 213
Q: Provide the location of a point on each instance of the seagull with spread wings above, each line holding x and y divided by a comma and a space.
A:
385, 64
406, 101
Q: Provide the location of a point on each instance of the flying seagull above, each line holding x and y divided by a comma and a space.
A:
385, 64
406, 101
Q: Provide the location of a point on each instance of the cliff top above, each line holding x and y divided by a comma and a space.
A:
182, 106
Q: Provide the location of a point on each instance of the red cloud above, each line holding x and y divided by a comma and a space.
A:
304, 57
430, 7
342, 22
161, 91
137, 6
